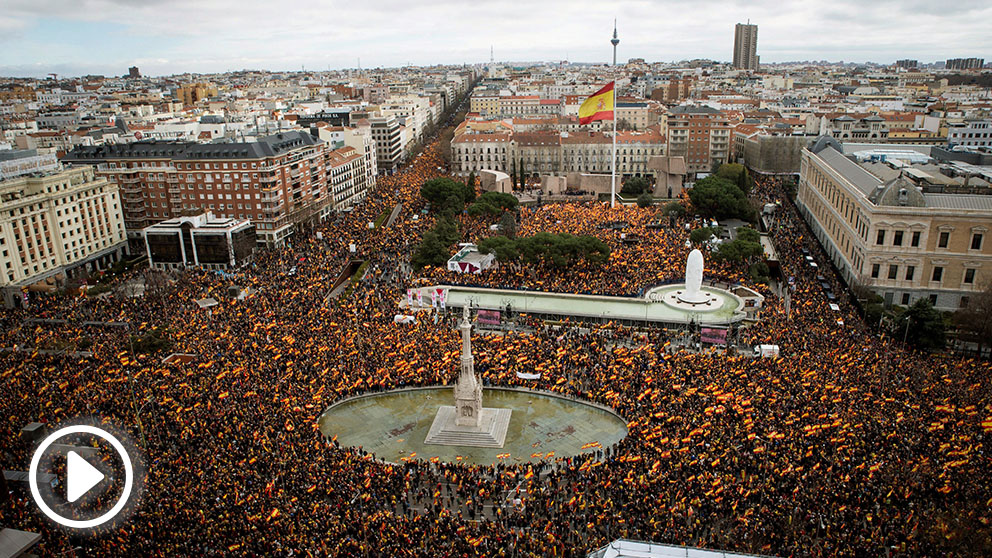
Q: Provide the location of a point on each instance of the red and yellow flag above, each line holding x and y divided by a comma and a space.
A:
599, 106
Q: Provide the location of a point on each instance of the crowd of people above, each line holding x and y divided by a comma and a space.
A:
846, 445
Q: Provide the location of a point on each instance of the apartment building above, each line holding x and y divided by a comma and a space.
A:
907, 231
279, 183
970, 133
699, 134
55, 224
389, 146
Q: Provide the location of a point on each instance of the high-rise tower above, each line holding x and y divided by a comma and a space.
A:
615, 41
746, 46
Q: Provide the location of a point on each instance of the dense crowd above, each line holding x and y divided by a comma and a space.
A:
847, 445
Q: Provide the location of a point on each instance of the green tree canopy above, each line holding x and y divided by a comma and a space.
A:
635, 186
493, 203
645, 200
719, 198
446, 194
544, 248
700, 235
739, 250
674, 208
430, 252
737, 174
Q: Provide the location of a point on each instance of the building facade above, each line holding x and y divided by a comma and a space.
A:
903, 235
389, 143
746, 47
279, 183
699, 134
200, 241
964, 64
57, 225
548, 152
970, 133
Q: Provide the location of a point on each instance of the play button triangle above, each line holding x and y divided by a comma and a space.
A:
80, 476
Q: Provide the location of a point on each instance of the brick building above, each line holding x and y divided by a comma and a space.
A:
280, 182
699, 134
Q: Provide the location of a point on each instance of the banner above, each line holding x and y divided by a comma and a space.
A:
409, 297
489, 317
434, 298
526, 376
442, 297
716, 336
420, 298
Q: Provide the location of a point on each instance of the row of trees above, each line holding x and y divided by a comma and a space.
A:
552, 250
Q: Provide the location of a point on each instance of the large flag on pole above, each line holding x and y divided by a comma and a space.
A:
599, 106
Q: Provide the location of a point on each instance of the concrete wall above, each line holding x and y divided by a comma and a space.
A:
495, 181
775, 154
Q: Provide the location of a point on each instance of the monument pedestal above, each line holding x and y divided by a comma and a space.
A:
490, 433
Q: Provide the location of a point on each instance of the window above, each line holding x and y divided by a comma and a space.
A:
910, 272
905, 299
933, 300
897, 238
874, 270
969, 275
916, 239
893, 271
964, 302
880, 239
976, 241
942, 241
938, 274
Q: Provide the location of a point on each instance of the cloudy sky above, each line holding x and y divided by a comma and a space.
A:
74, 37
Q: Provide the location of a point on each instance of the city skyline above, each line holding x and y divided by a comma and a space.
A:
107, 36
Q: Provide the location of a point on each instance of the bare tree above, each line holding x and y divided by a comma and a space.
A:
975, 320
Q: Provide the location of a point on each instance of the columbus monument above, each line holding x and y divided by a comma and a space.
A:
467, 422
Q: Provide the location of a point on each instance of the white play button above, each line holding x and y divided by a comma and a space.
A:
80, 476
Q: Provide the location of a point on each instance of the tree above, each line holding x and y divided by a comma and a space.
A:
504, 248
744, 248
720, 199
700, 235
975, 319
922, 325
544, 248
446, 194
674, 208
471, 179
446, 136
508, 224
645, 200
736, 173
523, 175
447, 231
430, 252
634, 186
493, 203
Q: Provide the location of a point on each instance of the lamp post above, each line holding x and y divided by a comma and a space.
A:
130, 377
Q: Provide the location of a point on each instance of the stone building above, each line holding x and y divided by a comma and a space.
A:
55, 225
906, 231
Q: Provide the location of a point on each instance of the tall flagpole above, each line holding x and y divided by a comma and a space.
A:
613, 176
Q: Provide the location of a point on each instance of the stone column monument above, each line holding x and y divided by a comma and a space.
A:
467, 423
468, 392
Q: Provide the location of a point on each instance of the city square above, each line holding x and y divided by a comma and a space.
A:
346, 372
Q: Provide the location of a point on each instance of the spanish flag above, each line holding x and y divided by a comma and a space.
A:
599, 106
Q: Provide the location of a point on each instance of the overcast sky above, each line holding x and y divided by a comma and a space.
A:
75, 37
